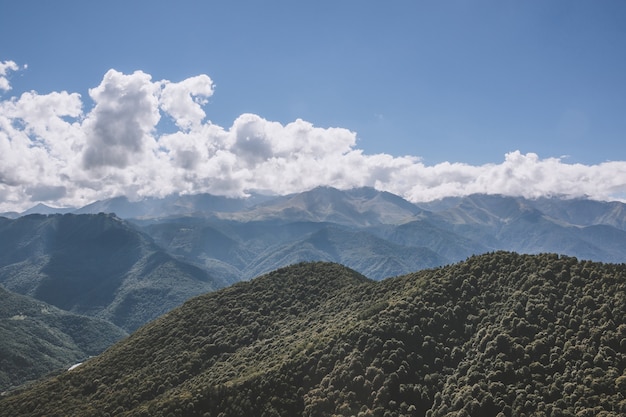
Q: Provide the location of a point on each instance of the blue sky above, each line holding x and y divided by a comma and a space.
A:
443, 82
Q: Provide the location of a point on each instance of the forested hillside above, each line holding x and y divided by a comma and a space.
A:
37, 338
97, 265
497, 335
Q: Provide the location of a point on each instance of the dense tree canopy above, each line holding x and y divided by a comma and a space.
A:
497, 335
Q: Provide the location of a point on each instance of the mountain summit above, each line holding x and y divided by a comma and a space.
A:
355, 207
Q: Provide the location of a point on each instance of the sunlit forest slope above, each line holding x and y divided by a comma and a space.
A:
499, 334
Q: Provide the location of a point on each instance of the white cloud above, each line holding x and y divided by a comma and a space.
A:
51, 151
184, 100
120, 128
5, 67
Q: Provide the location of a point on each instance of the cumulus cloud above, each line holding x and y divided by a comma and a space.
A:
5, 67
184, 100
54, 151
119, 128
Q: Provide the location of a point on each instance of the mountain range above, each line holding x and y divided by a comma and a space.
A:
473, 224
497, 335
131, 267
442, 232
113, 268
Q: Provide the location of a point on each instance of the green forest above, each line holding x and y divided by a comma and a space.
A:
37, 338
497, 335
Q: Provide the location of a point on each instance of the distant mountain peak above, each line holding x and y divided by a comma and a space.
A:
41, 208
357, 206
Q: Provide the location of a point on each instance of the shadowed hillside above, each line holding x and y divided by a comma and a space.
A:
372, 256
97, 265
37, 338
497, 335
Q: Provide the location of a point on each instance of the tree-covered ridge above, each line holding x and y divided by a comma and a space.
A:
497, 335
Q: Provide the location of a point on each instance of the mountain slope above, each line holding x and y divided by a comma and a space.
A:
580, 228
200, 241
423, 233
361, 251
254, 248
97, 265
356, 207
584, 212
44, 209
453, 228
499, 334
173, 205
37, 338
